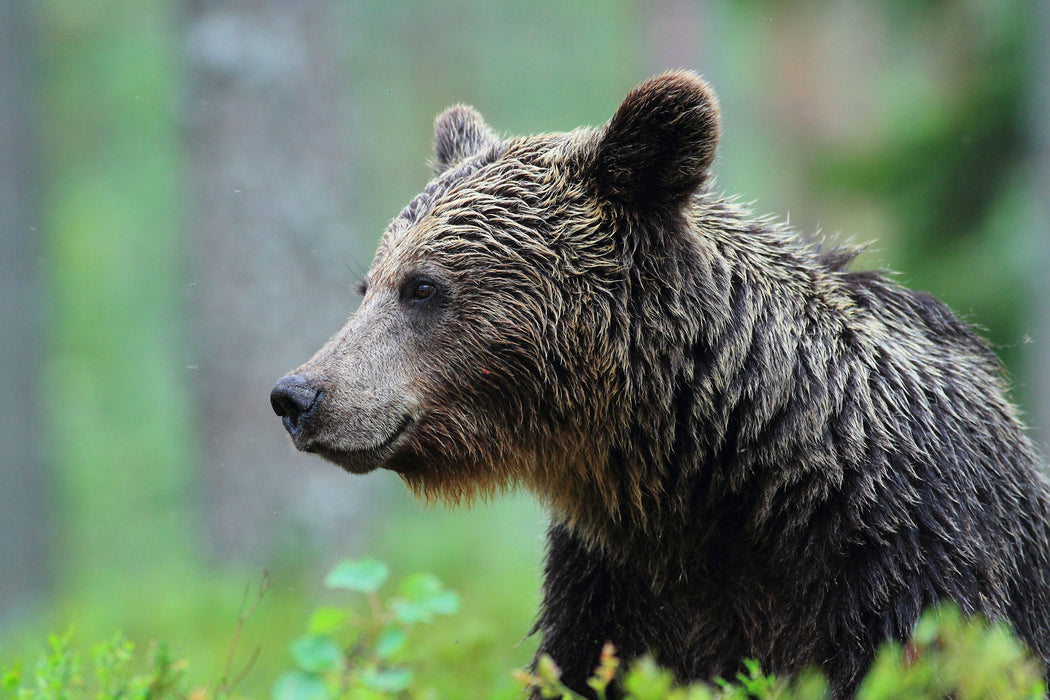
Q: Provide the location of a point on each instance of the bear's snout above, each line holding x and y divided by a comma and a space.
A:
293, 398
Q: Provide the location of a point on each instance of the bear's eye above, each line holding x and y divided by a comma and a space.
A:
419, 290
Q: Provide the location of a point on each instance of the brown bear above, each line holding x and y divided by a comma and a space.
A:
748, 450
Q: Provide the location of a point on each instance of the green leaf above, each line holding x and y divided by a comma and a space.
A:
361, 575
390, 641
421, 597
316, 653
391, 680
420, 587
447, 603
647, 681
298, 685
325, 620
12, 677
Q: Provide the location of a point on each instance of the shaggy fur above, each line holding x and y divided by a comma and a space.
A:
747, 449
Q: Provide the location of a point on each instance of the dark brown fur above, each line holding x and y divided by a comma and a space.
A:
747, 449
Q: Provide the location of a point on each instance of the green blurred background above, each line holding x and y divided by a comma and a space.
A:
189, 191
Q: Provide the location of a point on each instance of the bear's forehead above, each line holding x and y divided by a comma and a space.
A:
509, 185
504, 171
436, 189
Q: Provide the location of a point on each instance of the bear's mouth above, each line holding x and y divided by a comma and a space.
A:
365, 459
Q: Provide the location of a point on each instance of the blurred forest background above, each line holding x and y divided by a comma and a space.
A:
189, 191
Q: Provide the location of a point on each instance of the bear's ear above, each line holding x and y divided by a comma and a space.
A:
657, 148
459, 132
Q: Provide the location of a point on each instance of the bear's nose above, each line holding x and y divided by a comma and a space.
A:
292, 398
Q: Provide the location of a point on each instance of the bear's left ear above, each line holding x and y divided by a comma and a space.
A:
657, 148
459, 132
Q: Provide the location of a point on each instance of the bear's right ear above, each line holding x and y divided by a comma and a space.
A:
459, 132
656, 150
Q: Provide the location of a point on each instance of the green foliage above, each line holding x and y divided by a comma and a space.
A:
950, 655
58, 674
368, 649
647, 680
363, 575
349, 655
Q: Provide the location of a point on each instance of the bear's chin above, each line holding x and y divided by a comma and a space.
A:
368, 459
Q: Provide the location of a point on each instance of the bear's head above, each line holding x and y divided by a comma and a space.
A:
499, 339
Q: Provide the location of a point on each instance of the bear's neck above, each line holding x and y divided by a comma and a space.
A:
725, 391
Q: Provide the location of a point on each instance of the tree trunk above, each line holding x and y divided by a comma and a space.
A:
272, 256
24, 524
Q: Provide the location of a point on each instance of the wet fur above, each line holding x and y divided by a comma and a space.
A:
747, 449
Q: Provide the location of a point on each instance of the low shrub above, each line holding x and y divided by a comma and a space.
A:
364, 650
